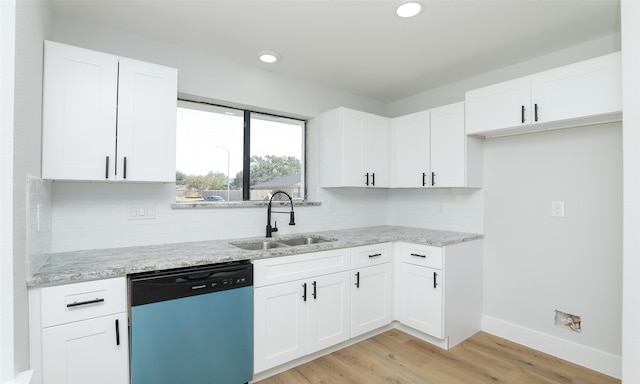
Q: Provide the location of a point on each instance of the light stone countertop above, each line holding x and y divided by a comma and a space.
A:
76, 266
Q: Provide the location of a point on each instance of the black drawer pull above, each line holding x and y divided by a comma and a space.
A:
106, 168
315, 296
424, 175
76, 303
357, 279
522, 113
117, 332
375, 255
366, 175
304, 292
418, 255
373, 179
125, 168
536, 111
435, 283
433, 179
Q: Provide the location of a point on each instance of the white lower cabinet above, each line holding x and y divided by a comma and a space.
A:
421, 299
79, 333
87, 351
371, 288
302, 316
440, 289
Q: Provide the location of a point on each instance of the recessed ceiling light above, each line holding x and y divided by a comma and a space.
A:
268, 57
409, 9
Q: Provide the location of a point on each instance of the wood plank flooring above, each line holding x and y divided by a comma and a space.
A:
396, 357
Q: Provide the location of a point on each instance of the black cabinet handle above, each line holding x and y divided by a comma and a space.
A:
77, 304
117, 332
424, 175
535, 111
373, 179
418, 255
435, 283
106, 168
304, 292
357, 279
433, 179
375, 255
522, 114
124, 174
366, 175
315, 296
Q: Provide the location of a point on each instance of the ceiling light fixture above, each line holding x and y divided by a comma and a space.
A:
409, 9
268, 57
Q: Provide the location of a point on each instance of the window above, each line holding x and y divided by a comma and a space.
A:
229, 154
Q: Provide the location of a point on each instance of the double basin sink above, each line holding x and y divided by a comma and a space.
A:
262, 245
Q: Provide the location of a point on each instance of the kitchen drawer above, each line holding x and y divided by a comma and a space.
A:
423, 255
289, 268
371, 255
73, 302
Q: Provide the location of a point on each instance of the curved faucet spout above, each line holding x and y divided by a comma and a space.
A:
292, 220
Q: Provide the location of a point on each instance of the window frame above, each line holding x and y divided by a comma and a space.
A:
246, 152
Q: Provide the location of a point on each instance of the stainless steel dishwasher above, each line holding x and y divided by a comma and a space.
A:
192, 326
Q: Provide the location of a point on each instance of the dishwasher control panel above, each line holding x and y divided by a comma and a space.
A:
153, 287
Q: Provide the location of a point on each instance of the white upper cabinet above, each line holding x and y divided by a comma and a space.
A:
147, 121
430, 149
456, 159
354, 149
411, 149
107, 118
588, 92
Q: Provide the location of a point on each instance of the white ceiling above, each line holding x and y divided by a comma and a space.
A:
361, 46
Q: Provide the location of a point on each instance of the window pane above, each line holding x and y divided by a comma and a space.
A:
209, 142
277, 153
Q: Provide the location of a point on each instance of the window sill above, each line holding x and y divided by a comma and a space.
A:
243, 204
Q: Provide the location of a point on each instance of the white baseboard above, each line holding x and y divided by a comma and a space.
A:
22, 378
588, 357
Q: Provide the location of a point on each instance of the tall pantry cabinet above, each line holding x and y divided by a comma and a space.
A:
107, 117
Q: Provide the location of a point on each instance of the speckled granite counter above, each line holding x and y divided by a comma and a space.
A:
69, 267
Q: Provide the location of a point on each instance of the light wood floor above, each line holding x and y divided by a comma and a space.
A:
396, 357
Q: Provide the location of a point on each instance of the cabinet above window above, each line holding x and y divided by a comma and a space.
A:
107, 117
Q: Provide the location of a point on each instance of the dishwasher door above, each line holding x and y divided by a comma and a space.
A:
197, 329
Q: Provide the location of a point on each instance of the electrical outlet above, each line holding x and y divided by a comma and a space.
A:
557, 209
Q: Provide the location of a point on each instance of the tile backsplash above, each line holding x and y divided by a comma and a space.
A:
39, 222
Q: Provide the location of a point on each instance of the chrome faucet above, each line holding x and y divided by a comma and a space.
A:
292, 221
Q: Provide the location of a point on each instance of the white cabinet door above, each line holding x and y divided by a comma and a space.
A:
448, 146
328, 300
591, 87
411, 150
421, 299
79, 113
371, 298
280, 324
498, 106
377, 160
353, 130
89, 351
354, 149
146, 122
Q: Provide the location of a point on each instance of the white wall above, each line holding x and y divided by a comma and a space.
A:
534, 263
33, 24
631, 132
7, 61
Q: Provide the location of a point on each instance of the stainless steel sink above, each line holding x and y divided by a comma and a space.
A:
307, 240
262, 245
259, 245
